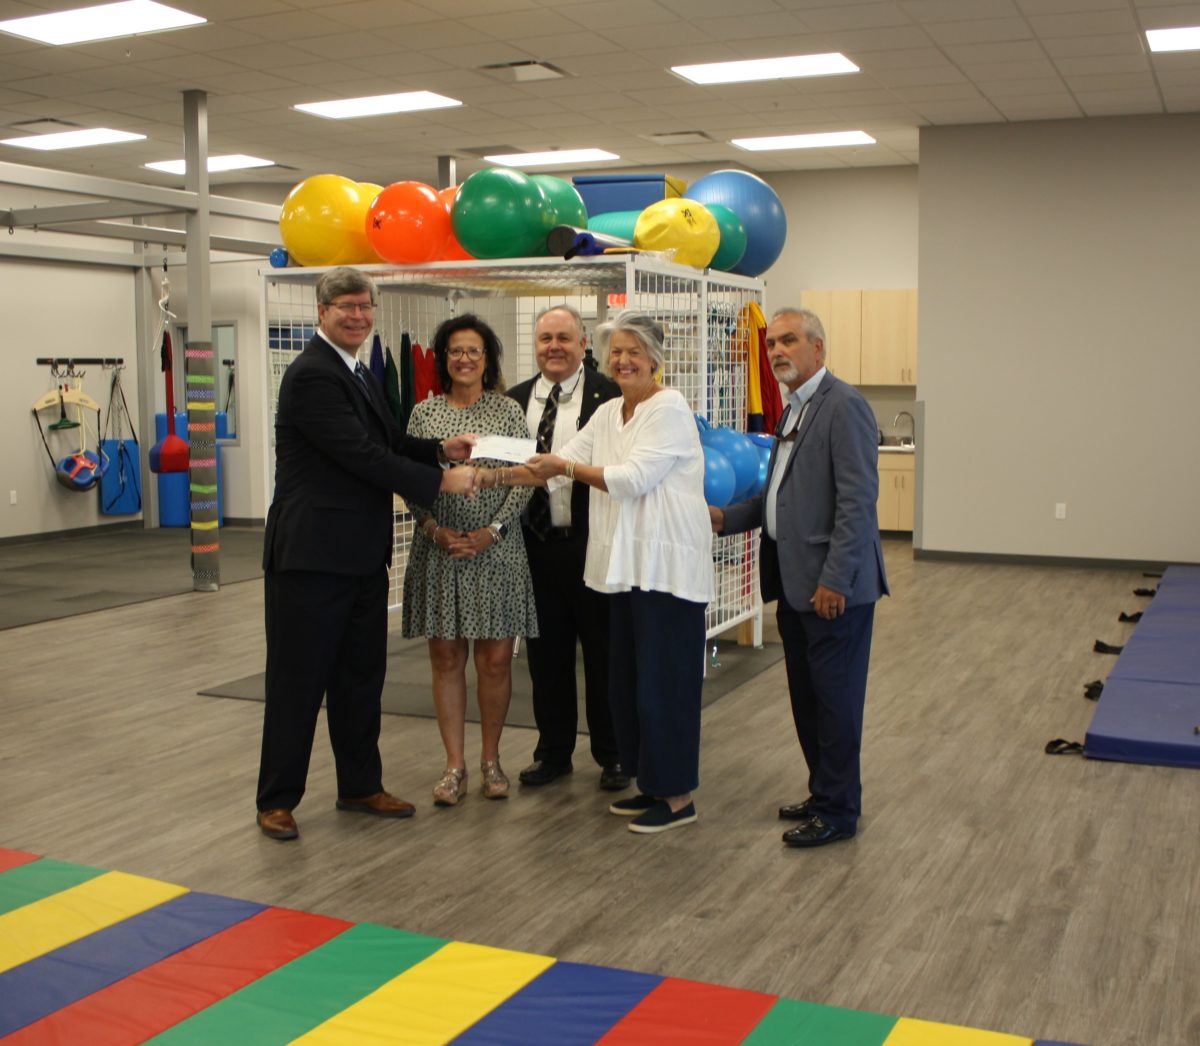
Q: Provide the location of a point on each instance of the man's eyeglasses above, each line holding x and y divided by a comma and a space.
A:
349, 308
472, 352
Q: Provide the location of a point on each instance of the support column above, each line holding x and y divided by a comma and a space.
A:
447, 172
199, 363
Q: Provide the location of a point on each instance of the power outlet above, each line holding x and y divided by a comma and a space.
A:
12, 497
1060, 510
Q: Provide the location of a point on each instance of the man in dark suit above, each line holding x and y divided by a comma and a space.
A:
559, 402
339, 456
821, 558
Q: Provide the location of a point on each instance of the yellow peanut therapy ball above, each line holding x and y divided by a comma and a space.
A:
682, 224
323, 221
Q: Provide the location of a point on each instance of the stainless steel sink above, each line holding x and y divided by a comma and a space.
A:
897, 443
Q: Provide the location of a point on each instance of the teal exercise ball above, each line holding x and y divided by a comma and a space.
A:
733, 237
502, 213
615, 223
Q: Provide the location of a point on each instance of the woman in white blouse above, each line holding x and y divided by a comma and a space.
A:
650, 549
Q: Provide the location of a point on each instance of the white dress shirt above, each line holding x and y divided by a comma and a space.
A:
348, 359
566, 424
797, 407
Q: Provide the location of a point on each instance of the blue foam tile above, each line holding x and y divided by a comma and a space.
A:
37, 988
570, 1004
1141, 721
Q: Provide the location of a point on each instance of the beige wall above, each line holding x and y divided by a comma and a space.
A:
1058, 337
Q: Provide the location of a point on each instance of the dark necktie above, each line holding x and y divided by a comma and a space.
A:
539, 503
360, 372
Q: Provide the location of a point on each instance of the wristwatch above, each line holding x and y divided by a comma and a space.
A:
499, 531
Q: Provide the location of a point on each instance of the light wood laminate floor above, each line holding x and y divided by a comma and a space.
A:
989, 885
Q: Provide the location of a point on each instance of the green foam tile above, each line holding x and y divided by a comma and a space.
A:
792, 1023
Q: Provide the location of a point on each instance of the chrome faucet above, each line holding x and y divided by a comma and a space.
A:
912, 439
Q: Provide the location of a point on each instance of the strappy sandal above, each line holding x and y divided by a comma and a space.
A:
495, 783
450, 787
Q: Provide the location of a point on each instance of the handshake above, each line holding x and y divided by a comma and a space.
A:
460, 480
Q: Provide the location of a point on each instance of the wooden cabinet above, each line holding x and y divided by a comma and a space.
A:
897, 491
870, 336
841, 313
889, 338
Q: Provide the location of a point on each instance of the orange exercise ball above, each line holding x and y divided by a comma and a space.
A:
408, 223
452, 250
322, 222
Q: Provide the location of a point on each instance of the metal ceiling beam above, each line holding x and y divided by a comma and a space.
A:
166, 237
114, 189
26, 217
71, 255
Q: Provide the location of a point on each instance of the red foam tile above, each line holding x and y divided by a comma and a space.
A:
160, 996
711, 1015
14, 859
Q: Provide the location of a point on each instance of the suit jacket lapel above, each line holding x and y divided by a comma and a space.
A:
807, 420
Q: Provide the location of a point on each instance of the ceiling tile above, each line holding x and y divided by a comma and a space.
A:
1036, 69
1089, 23
983, 31
933, 11
1014, 51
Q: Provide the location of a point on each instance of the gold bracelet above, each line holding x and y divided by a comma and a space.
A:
569, 469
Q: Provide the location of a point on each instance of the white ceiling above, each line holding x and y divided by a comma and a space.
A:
923, 62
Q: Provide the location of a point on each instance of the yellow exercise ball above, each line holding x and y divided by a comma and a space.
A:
323, 222
681, 224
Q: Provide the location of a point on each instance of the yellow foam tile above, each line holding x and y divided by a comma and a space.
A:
911, 1032
57, 920
433, 1001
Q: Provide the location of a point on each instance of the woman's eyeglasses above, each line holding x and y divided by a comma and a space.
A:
473, 352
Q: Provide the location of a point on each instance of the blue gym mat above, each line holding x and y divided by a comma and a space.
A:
1150, 709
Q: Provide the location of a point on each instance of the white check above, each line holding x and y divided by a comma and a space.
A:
504, 448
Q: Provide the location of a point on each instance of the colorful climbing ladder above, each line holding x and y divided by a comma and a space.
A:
96, 957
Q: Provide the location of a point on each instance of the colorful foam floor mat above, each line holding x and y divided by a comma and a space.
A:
105, 958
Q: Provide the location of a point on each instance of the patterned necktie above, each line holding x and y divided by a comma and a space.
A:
539, 503
360, 372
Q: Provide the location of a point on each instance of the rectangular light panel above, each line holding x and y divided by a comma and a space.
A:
231, 162
129, 18
73, 139
828, 140
1186, 38
831, 64
553, 158
378, 105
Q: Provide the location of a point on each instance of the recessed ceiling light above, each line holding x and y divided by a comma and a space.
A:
378, 105
129, 18
828, 140
1186, 38
832, 64
554, 158
232, 162
73, 139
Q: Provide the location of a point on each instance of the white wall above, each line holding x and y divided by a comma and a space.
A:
1058, 337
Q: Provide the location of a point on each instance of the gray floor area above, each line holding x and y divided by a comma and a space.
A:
407, 690
46, 579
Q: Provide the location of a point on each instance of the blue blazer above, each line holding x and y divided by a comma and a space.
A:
828, 529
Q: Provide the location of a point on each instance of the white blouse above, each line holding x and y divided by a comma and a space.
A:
651, 530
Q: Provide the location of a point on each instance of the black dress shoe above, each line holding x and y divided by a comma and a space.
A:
541, 772
613, 778
797, 811
814, 832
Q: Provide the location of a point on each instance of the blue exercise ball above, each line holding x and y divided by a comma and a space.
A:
719, 479
739, 452
763, 444
759, 208
279, 258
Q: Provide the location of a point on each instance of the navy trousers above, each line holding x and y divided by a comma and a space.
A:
655, 676
827, 676
326, 638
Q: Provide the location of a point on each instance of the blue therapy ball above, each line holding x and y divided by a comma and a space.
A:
279, 258
760, 209
741, 455
719, 479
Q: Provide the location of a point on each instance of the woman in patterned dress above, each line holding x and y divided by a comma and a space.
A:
467, 576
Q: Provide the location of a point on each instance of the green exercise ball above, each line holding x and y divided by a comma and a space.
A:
733, 237
502, 213
564, 199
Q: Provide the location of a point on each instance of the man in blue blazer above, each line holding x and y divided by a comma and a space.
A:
822, 560
339, 456
555, 527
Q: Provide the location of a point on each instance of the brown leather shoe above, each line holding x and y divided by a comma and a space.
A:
278, 824
381, 804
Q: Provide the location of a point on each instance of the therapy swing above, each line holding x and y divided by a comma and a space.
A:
81, 470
